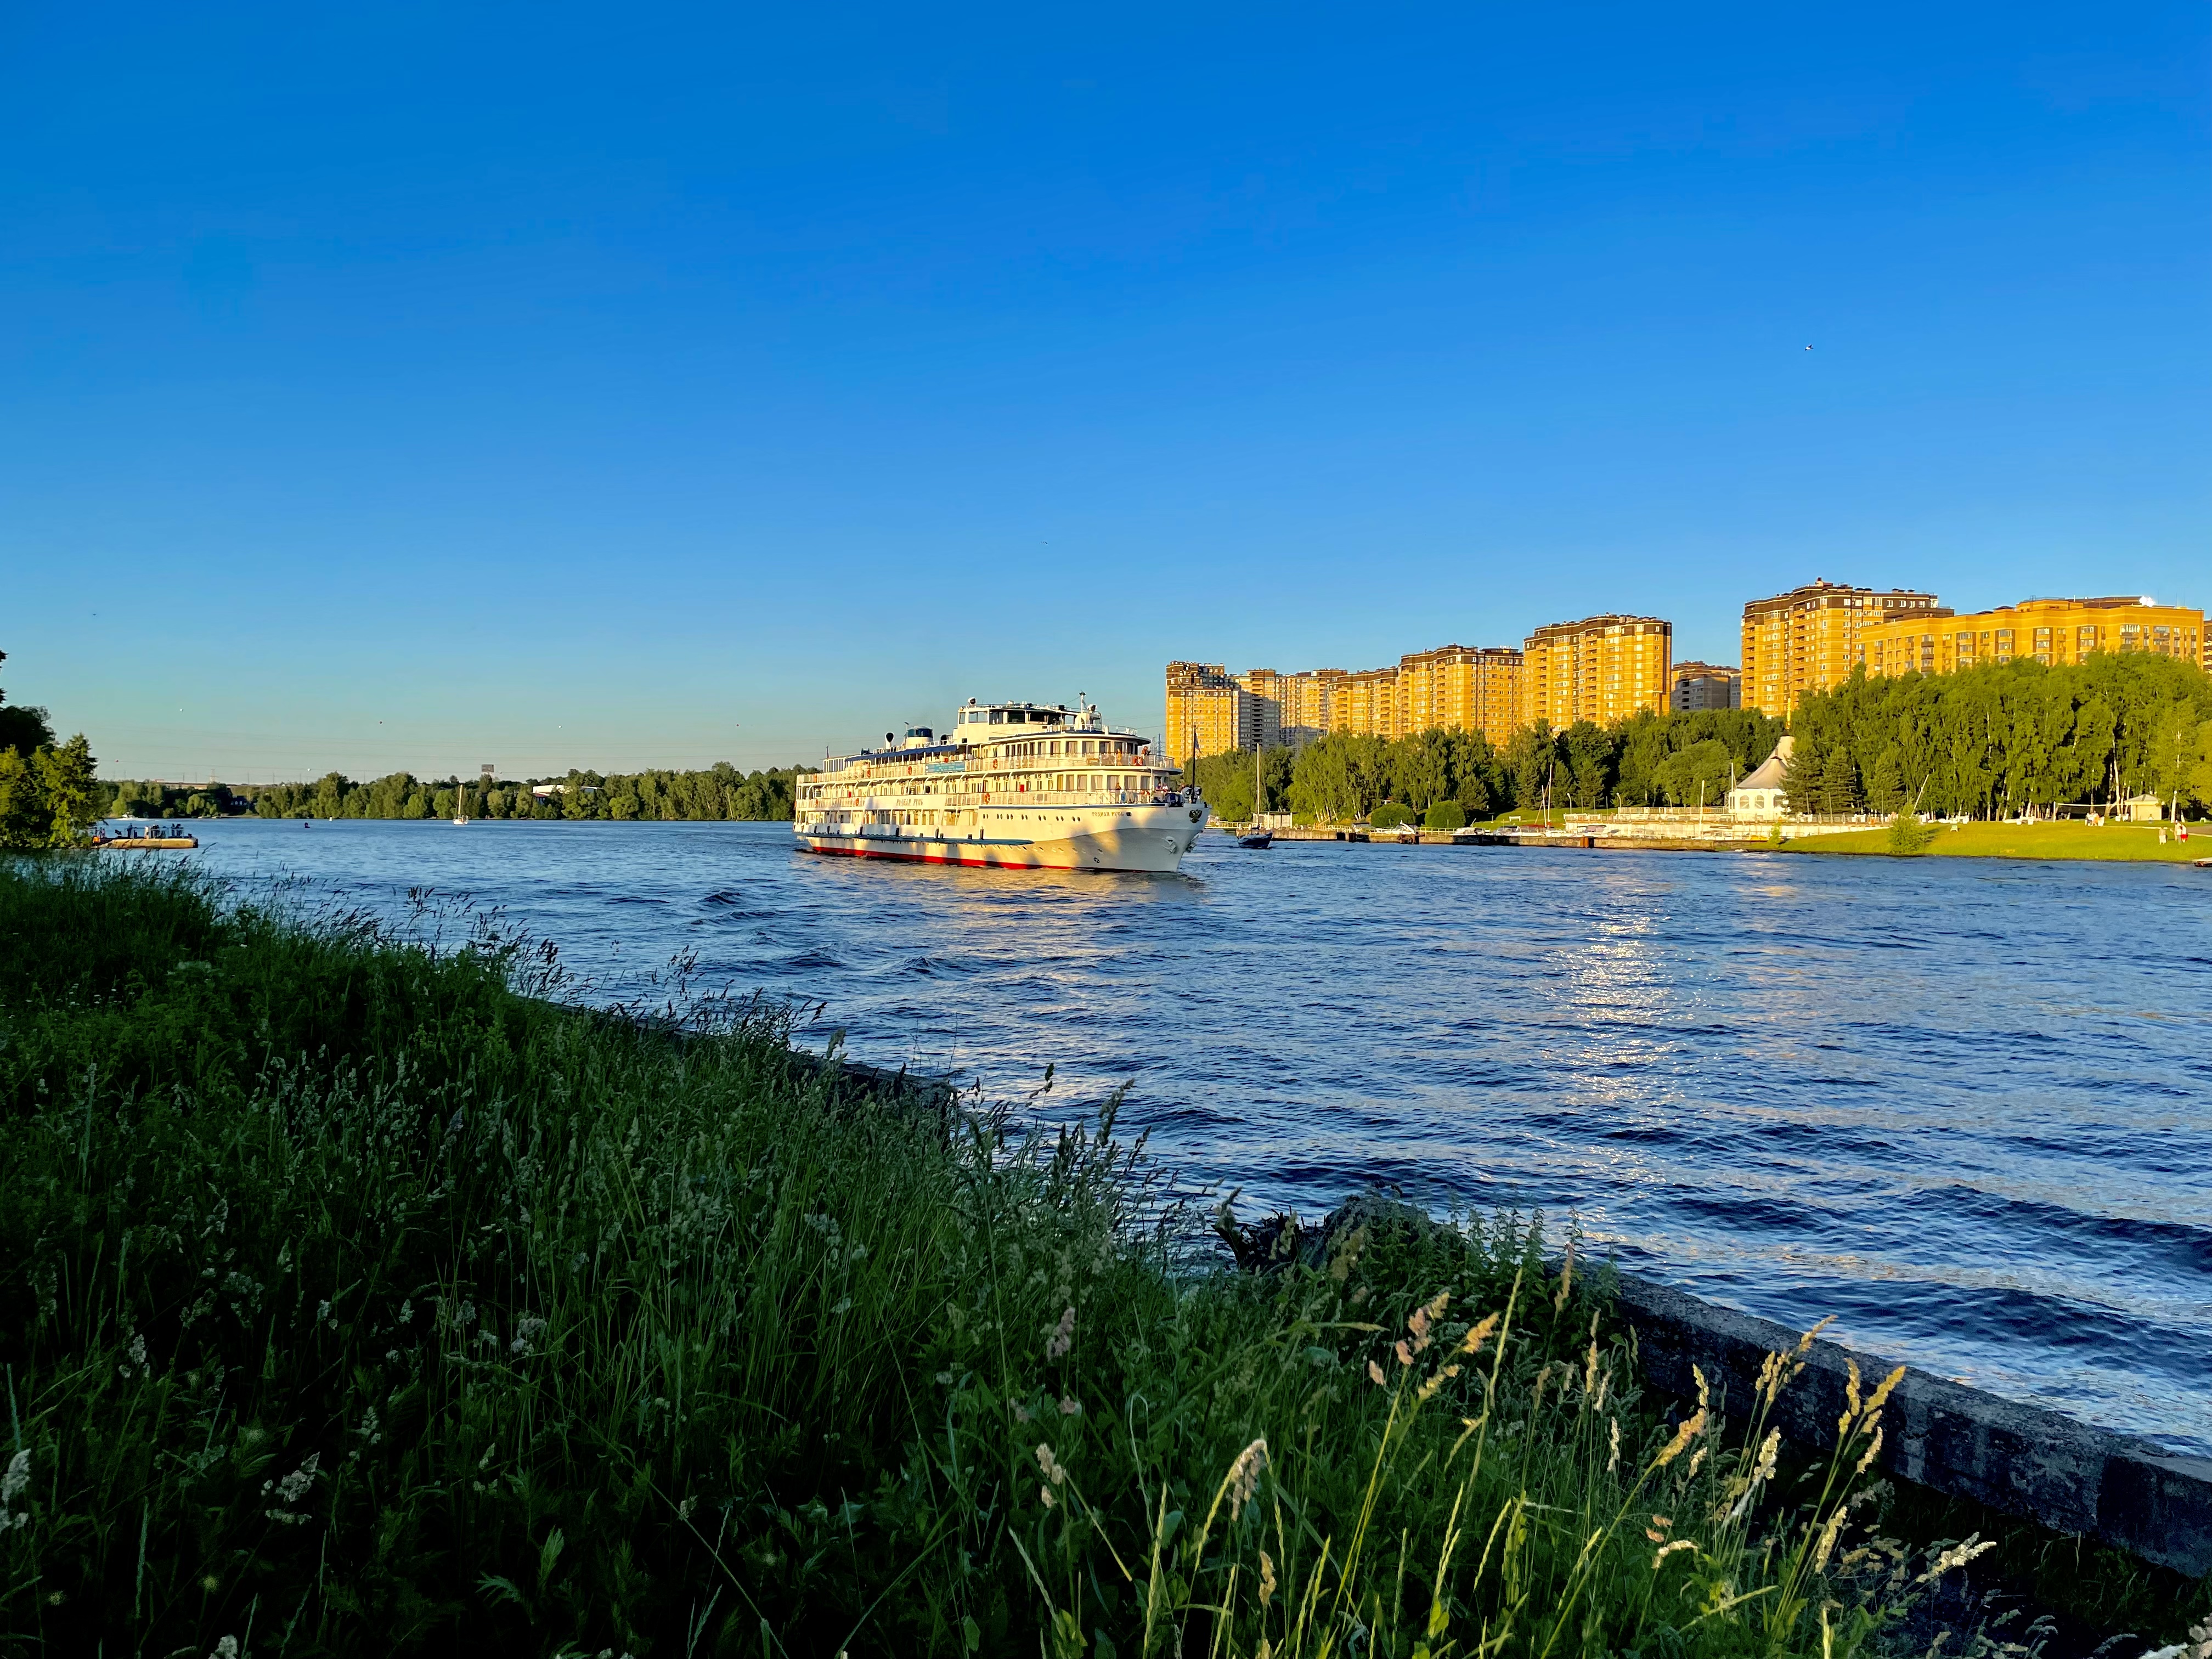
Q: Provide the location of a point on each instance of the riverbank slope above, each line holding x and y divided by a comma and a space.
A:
359, 1297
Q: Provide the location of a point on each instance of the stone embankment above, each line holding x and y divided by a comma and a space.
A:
2022, 1460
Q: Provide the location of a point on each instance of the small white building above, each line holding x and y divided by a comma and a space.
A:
1757, 796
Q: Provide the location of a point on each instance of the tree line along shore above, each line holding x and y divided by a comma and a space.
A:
362, 1297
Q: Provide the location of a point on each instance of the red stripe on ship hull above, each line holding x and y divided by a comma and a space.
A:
929, 858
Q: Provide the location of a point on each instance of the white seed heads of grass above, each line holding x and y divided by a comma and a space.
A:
1665, 1550
1244, 1476
1612, 1462
1375, 1376
1424, 1317
1070, 1405
293, 1486
1054, 1470
2198, 1646
1063, 1336
1692, 1427
1267, 1579
406, 1311
684, 1509
1960, 1554
13, 1485
226, 1647
1405, 1354
527, 1331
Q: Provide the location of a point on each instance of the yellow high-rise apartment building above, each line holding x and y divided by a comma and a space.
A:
1809, 639
1601, 669
2048, 630
1477, 689
1208, 712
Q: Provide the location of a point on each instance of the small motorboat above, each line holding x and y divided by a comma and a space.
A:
1265, 838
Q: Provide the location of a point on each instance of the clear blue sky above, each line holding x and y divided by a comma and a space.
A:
420, 386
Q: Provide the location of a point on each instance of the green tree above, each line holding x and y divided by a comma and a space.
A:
2171, 751
23, 732
1885, 781
1801, 779
70, 790
2200, 769
1837, 791
1697, 775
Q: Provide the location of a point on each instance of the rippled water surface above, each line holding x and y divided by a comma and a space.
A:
1963, 1105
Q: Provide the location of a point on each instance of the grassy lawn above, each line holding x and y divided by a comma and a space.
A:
2129, 842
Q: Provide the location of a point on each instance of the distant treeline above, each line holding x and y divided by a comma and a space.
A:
1649, 760
720, 792
1985, 743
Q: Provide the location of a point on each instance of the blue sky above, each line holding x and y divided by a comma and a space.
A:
419, 387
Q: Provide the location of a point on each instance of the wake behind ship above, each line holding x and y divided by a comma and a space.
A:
1018, 785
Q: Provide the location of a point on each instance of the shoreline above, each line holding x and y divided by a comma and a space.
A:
2031, 842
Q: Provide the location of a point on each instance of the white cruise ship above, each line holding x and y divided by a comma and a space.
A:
1015, 785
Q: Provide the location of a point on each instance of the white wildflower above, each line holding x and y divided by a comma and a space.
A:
1054, 1470
226, 1648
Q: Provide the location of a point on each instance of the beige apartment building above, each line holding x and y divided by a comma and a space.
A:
1811, 637
2047, 630
1601, 669
1705, 685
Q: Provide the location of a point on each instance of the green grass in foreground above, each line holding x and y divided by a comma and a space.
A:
2129, 842
352, 1301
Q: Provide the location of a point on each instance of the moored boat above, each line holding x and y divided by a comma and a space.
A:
1015, 786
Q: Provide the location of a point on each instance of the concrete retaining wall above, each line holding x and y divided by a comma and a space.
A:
2021, 1460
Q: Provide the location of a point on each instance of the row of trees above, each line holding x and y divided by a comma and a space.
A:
719, 792
48, 796
1991, 742
1651, 760
2002, 739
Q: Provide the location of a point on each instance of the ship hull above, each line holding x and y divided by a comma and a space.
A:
1141, 840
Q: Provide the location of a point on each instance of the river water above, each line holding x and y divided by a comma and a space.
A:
1965, 1106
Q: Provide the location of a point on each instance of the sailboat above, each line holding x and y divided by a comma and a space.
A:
460, 804
1259, 837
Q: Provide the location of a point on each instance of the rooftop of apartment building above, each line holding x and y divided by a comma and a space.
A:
1592, 624
1822, 591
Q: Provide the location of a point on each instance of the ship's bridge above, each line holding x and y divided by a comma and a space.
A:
1000, 715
